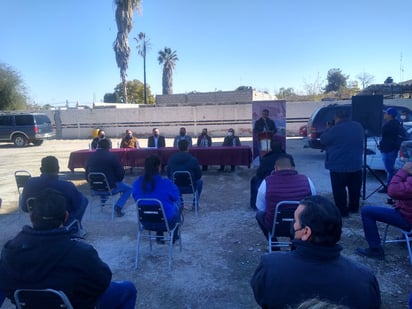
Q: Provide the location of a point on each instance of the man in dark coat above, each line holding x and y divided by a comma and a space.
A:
344, 149
315, 268
103, 161
184, 161
45, 256
156, 140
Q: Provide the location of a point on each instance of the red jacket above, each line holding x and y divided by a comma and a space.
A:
400, 188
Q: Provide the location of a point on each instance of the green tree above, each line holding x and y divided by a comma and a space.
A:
243, 88
336, 81
135, 90
111, 98
143, 44
124, 20
285, 92
168, 58
12, 89
388, 80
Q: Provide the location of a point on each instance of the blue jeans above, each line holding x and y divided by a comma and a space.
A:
371, 214
389, 159
119, 295
125, 191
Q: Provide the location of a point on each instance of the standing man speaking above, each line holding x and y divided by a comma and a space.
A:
344, 148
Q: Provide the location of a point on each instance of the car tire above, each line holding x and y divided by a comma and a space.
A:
37, 142
20, 140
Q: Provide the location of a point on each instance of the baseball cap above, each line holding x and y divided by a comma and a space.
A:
391, 111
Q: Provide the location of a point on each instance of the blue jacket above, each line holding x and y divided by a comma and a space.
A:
34, 185
164, 190
344, 146
104, 161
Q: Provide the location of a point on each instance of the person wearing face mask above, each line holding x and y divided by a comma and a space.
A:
204, 140
182, 136
316, 268
101, 135
156, 140
129, 141
231, 140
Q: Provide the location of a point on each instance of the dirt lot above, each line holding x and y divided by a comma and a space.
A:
221, 247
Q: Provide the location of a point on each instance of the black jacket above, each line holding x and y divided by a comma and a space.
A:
104, 161
184, 161
50, 259
160, 141
390, 136
288, 278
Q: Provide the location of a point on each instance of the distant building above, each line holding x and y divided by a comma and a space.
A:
390, 91
213, 98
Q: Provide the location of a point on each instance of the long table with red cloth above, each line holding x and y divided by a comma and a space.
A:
215, 155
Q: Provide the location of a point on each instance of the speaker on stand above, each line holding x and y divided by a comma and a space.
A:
368, 111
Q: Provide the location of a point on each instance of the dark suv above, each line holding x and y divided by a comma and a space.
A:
321, 116
25, 128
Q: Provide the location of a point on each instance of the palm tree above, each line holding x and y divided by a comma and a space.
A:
124, 21
143, 44
168, 59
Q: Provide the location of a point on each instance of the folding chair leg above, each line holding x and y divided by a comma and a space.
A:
139, 234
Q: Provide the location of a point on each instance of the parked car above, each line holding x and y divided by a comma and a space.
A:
319, 118
25, 128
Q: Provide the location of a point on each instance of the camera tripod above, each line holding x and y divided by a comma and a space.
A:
365, 168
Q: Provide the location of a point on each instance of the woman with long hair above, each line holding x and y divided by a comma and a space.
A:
153, 185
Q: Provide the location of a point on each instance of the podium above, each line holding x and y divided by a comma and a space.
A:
264, 139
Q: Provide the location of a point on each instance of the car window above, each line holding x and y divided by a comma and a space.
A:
42, 119
24, 120
6, 120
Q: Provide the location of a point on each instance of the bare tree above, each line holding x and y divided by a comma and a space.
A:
365, 78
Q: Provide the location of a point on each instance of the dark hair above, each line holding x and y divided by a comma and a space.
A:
342, 114
265, 111
103, 144
323, 218
183, 145
151, 169
48, 209
49, 165
276, 145
284, 160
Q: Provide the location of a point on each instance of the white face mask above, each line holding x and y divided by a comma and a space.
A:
229, 133
403, 117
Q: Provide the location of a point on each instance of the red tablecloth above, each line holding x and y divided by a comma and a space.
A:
135, 157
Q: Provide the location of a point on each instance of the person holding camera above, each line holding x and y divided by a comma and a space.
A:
344, 143
129, 141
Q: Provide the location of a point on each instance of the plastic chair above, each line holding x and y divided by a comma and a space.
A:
42, 298
406, 238
21, 176
99, 187
282, 221
183, 180
152, 218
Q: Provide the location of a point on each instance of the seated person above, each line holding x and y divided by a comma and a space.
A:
76, 201
156, 140
266, 166
284, 184
230, 141
103, 161
100, 135
400, 189
129, 141
184, 161
44, 256
315, 268
204, 140
182, 136
153, 185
